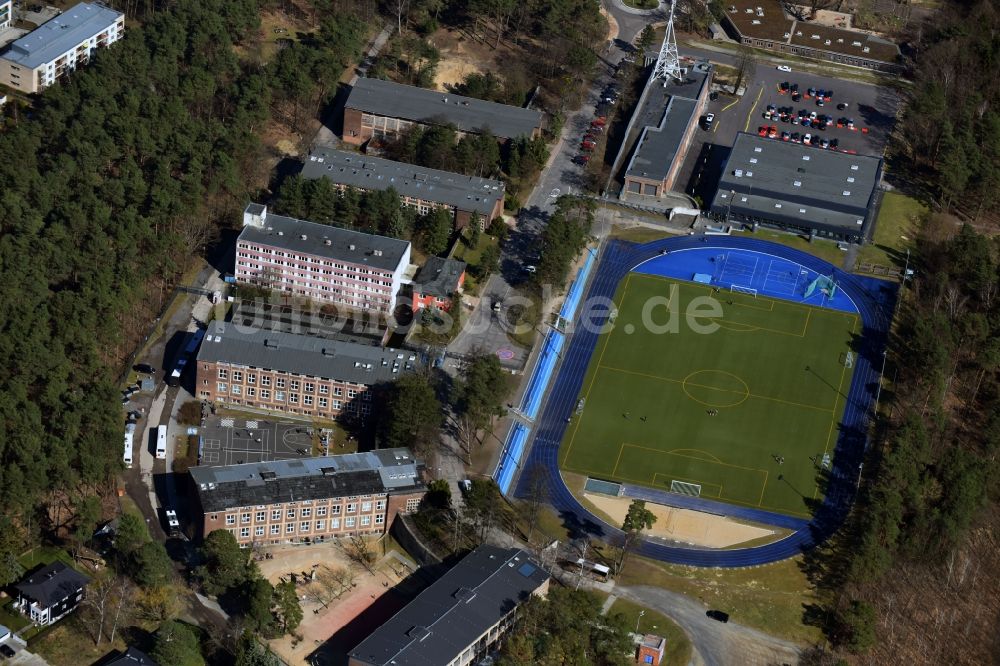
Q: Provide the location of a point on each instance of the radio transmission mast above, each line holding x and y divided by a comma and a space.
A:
668, 64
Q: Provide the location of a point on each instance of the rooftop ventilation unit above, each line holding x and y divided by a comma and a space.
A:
351, 247
328, 242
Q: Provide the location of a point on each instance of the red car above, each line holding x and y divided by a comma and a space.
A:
589, 147
762, 130
772, 132
599, 122
582, 159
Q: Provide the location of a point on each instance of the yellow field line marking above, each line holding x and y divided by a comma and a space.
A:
746, 127
716, 459
588, 472
713, 388
689, 480
576, 426
621, 449
681, 455
806, 326
763, 488
730, 105
836, 399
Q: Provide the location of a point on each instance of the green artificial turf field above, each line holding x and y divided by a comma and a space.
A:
717, 409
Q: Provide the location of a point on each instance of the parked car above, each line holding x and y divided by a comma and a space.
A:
718, 615
762, 130
772, 132
708, 119
600, 121
144, 368
172, 523
807, 138
530, 269
7, 651
824, 144
796, 137
785, 136
713, 96
842, 106
582, 159
784, 68
497, 304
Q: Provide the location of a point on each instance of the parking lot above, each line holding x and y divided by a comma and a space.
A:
872, 108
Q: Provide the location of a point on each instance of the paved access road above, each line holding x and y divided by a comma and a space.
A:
715, 643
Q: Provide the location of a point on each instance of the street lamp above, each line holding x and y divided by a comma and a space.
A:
641, 613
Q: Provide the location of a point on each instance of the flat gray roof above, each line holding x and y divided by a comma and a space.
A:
664, 115
303, 354
324, 240
395, 100
478, 195
658, 146
223, 487
798, 184
455, 610
57, 36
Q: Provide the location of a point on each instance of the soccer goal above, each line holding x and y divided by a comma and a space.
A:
737, 289
685, 488
847, 359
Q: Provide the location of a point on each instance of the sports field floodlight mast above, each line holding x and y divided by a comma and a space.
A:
668, 63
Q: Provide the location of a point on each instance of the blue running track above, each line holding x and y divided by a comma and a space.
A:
774, 270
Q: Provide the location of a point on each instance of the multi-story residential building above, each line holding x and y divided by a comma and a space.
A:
437, 282
292, 373
6, 7
462, 616
766, 24
468, 197
351, 269
383, 109
57, 47
309, 499
50, 593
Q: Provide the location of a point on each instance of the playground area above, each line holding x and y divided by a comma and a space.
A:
340, 599
708, 388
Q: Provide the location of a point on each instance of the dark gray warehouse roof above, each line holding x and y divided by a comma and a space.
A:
303, 354
224, 487
395, 100
799, 184
468, 193
455, 610
323, 240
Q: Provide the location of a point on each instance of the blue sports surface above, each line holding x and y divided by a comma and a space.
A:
772, 270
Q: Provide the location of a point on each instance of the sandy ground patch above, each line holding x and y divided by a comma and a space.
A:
693, 527
612, 24
371, 595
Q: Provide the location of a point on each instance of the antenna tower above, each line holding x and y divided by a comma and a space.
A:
668, 63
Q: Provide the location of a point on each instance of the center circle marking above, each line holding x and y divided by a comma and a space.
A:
716, 388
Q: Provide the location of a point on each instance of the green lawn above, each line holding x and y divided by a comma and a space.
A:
678, 648
895, 230
44, 555
714, 409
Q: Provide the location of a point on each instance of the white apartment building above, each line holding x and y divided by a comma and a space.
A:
34, 62
356, 270
6, 8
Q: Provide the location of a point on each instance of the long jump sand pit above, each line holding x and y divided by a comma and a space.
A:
692, 527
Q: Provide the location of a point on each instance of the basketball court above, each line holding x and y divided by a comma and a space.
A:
234, 441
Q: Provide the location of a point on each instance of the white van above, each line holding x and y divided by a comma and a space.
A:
161, 442
127, 458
